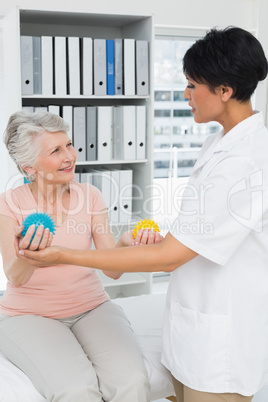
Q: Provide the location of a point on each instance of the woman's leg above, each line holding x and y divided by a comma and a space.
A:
48, 352
186, 394
107, 338
178, 387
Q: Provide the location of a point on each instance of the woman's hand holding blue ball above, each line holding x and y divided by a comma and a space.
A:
36, 232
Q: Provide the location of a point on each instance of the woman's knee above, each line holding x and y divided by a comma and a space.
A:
132, 387
75, 393
138, 386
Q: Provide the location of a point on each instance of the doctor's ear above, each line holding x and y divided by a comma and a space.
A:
226, 92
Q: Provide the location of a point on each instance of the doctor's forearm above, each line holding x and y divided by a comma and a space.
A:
149, 258
165, 256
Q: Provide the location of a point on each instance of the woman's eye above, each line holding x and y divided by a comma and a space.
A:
190, 86
55, 150
70, 144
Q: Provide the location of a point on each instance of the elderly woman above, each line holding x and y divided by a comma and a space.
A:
216, 322
57, 323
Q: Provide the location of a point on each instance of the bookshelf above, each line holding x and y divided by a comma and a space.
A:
27, 22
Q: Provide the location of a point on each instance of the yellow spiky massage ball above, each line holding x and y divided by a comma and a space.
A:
145, 224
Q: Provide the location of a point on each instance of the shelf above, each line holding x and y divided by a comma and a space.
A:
83, 97
132, 221
113, 162
126, 279
75, 18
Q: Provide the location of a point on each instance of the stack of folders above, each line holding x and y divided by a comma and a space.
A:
104, 133
75, 66
116, 188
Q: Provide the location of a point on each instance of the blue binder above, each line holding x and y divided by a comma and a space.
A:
110, 66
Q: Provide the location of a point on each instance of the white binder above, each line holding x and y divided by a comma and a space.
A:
73, 66
55, 109
77, 177
87, 66
26, 44
129, 66
142, 67
79, 131
99, 63
40, 109
125, 132
60, 65
86, 177
37, 65
106, 189
105, 128
47, 65
115, 192
28, 109
102, 180
125, 197
67, 115
140, 132
118, 152
91, 128
118, 66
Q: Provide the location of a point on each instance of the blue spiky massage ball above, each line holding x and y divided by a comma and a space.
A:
37, 219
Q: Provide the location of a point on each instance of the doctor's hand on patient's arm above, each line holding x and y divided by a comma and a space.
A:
42, 258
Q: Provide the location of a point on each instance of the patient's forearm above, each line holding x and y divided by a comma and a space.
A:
17, 272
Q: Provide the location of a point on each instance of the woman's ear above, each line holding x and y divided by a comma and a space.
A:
29, 170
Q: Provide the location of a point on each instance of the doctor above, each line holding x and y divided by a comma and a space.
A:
216, 321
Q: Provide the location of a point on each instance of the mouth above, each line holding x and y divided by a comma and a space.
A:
192, 108
67, 169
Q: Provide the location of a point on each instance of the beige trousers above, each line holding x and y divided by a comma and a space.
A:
185, 394
91, 357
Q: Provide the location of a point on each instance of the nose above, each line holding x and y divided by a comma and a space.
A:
186, 93
69, 154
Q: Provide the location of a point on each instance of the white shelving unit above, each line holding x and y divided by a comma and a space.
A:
103, 26
130, 284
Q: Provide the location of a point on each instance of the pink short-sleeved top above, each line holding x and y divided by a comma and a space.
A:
61, 290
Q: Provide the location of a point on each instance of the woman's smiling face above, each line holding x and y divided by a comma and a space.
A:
56, 159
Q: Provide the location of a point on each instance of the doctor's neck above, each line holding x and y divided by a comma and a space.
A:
235, 112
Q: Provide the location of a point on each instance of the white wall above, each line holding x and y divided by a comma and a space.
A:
205, 13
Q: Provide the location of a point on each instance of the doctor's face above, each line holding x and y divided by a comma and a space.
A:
206, 105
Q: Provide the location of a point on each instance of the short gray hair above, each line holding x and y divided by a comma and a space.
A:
21, 132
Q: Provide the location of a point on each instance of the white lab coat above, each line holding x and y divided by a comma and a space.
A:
216, 321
